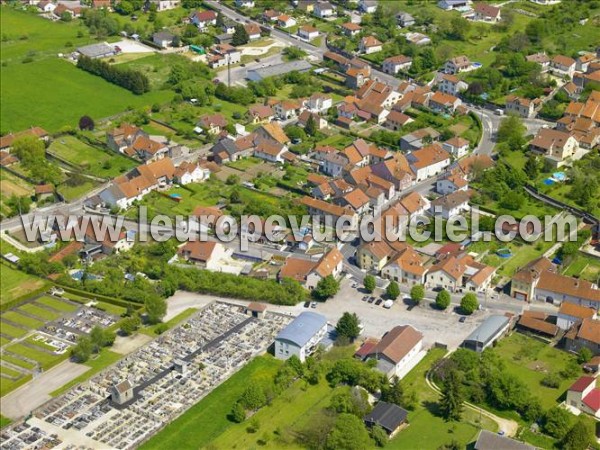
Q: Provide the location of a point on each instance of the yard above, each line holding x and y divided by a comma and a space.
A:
207, 419
16, 284
92, 160
531, 360
585, 267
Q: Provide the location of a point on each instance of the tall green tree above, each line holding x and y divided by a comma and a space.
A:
311, 126
156, 308
512, 132
579, 437
326, 287
348, 433
392, 290
240, 37
469, 303
442, 299
452, 396
348, 326
417, 293
253, 397
369, 283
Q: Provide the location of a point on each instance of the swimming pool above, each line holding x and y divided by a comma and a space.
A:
549, 182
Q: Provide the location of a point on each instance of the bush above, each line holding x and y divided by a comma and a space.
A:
131, 80
469, 303
442, 299
552, 380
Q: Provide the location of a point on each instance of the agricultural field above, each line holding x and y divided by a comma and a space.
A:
12, 185
94, 161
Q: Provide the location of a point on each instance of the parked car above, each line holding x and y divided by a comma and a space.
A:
379, 301
462, 319
371, 299
306, 304
365, 298
313, 305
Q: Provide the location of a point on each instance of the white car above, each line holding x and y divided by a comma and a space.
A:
388, 304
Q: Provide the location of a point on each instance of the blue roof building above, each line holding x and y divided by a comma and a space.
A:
302, 336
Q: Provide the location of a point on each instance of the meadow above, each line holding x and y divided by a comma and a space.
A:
16, 284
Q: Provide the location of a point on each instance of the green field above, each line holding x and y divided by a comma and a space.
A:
57, 304
90, 159
20, 319
73, 92
111, 309
585, 267
18, 362
530, 360
45, 360
207, 419
7, 385
42, 313
16, 284
11, 331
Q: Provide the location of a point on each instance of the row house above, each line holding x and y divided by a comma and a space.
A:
451, 205
556, 146
459, 273
428, 161
396, 171
395, 64
444, 103
322, 210
521, 106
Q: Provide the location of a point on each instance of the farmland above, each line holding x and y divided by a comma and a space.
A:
16, 284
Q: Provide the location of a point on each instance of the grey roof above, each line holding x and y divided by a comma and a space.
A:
492, 441
303, 328
225, 144
96, 50
283, 68
488, 329
386, 415
163, 36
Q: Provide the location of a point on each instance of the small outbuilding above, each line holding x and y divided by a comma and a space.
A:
493, 441
388, 416
492, 329
255, 309
122, 393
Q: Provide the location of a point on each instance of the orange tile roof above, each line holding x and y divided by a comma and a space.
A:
357, 198
327, 208
571, 309
198, 250
329, 262
370, 41
276, 132
574, 287
397, 343
296, 269
590, 330
413, 202
429, 155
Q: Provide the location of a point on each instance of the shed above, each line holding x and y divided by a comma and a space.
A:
388, 416
100, 50
487, 333
278, 69
256, 309
493, 441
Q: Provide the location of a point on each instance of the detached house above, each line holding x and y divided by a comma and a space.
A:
399, 350
486, 13
212, 123
404, 20
457, 65
562, 65
285, 21
395, 64
453, 182
206, 254
319, 103
308, 32
444, 103
203, 19
457, 146
521, 106
451, 84
556, 146
260, 114
450, 205
541, 59
351, 29
287, 109
369, 44
253, 31
118, 139
323, 10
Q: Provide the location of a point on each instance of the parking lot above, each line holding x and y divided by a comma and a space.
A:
168, 376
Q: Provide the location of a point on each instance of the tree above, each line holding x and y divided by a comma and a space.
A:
578, 437
326, 287
240, 37
130, 325
532, 167
469, 303
66, 16
393, 393
348, 326
156, 308
82, 351
253, 397
292, 53
101, 338
379, 435
442, 299
584, 355
392, 290
417, 293
452, 396
86, 123
557, 422
311, 126
512, 131
512, 200
238, 413
369, 283
348, 433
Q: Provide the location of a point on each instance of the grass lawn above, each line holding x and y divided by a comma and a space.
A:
45, 360
427, 430
150, 330
337, 140
73, 92
90, 159
7, 385
27, 32
245, 163
585, 267
42, 313
111, 309
4, 421
20, 319
4, 341
17, 362
207, 419
11, 373
56, 304
11, 331
103, 360
530, 360
71, 193
16, 284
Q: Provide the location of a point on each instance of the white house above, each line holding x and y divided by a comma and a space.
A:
269, 150
486, 13
334, 163
428, 161
191, 173
319, 103
398, 351
244, 3
301, 337
323, 10
367, 6
308, 32
563, 65
203, 19
285, 21
369, 44
585, 396
451, 84
450, 205
456, 146
457, 64
395, 64
452, 183
449, 5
